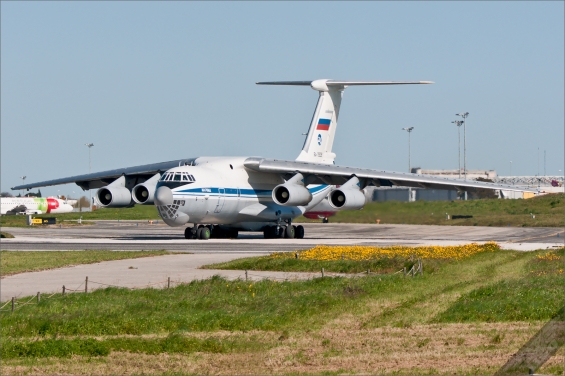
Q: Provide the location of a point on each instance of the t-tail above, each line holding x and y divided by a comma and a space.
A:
319, 141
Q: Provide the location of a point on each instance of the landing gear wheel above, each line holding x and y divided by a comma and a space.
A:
267, 232
289, 232
190, 233
325, 220
233, 234
203, 233
299, 233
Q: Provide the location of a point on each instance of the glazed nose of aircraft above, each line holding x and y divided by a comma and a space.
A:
163, 196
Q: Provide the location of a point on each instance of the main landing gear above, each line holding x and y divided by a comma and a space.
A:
290, 231
206, 232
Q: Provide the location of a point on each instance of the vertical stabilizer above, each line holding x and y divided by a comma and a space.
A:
320, 139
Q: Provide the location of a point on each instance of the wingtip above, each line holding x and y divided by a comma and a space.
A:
427, 82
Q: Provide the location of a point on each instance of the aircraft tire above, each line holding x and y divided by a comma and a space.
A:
325, 220
189, 233
267, 232
233, 234
299, 233
289, 232
203, 233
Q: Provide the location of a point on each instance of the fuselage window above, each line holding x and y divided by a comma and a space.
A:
177, 177
184, 177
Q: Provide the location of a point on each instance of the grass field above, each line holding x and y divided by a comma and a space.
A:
466, 316
13, 262
549, 211
138, 212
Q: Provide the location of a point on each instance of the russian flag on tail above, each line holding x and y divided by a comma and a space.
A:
323, 124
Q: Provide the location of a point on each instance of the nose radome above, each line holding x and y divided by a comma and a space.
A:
163, 196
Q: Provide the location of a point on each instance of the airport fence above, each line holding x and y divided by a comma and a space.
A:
16, 303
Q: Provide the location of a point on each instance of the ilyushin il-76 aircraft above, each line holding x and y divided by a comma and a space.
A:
221, 196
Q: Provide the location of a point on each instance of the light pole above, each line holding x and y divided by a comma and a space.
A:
90, 145
464, 116
459, 123
23, 182
409, 130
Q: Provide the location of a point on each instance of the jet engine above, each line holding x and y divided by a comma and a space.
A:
115, 195
292, 193
348, 196
144, 193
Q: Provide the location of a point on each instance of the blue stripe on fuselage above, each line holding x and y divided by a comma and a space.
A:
245, 192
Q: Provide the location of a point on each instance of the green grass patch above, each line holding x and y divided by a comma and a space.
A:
6, 235
548, 211
137, 212
209, 305
538, 296
381, 265
218, 304
13, 262
174, 343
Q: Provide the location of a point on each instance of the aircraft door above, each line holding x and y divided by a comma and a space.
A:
221, 198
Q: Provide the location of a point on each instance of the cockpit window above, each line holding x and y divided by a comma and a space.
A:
178, 176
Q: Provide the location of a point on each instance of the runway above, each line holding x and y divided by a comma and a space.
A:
155, 271
132, 235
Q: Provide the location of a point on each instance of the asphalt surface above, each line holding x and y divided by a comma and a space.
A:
131, 235
184, 267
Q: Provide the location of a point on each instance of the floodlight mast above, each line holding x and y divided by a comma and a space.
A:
464, 116
409, 130
459, 123
23, 181
90, 145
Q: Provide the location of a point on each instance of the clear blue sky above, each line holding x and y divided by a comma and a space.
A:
155, 81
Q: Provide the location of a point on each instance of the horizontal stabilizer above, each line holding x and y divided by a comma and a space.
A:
324, 85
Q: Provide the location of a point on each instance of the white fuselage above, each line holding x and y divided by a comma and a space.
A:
34, 205
220, 190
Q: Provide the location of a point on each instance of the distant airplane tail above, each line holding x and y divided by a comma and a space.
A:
319, 141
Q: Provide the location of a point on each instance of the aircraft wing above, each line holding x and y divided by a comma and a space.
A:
336, 175
101, 179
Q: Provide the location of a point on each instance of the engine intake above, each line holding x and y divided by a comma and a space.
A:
292, 193
348, 196
144, 193
114, 197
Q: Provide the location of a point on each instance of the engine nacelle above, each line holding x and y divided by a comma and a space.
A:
144, 193
292, 193
114, 197
347, 199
